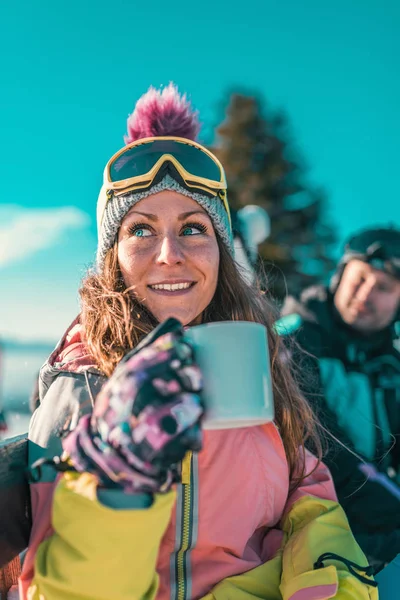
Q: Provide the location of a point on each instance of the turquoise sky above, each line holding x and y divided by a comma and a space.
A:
72, 71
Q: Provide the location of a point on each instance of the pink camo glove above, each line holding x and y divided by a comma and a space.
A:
146, 417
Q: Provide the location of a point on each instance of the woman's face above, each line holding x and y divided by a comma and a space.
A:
168, 254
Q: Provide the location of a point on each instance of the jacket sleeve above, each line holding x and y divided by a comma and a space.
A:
97, 552
317, 527
66, 399
315, 524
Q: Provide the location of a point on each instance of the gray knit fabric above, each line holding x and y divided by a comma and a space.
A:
117, 208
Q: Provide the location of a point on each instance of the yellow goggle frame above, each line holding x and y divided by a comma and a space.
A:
216, 188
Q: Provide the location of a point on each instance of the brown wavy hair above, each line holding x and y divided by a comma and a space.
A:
114, 322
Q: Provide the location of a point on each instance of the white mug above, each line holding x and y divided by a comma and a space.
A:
234, 359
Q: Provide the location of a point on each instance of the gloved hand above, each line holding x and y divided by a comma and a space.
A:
145, 418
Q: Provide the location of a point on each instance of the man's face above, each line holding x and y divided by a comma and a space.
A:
367, 299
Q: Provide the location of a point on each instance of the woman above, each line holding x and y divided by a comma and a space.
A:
253, 514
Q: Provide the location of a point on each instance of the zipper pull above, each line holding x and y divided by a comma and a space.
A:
186, 468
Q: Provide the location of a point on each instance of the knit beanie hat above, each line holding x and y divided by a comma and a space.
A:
158, 113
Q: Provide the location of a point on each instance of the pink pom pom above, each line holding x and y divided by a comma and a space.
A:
161, 113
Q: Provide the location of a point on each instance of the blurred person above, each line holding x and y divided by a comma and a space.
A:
148, 506
251, 226
3, 422
348, 329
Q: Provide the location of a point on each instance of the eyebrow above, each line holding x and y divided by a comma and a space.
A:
181, 217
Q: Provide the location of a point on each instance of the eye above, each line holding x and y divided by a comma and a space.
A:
139, 230
193, 229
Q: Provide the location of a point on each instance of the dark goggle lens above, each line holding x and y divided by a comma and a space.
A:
388, 242
139, 160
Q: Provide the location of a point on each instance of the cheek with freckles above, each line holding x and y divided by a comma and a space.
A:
133, 263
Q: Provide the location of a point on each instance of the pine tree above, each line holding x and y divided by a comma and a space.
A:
264, 168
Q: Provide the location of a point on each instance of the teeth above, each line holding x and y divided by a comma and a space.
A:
171, 287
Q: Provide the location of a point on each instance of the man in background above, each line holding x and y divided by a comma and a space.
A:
348, 333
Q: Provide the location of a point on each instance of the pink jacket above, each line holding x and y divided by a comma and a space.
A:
233, 496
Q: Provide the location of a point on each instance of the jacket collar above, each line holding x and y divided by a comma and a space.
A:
71, 354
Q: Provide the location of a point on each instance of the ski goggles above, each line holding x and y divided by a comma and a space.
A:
380, 248
136, 166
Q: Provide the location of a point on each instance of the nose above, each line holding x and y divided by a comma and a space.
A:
365, 290
170, 252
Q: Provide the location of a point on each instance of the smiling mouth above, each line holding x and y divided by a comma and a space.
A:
172, 288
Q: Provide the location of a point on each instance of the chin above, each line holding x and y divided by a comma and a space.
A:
365, 326
182, 316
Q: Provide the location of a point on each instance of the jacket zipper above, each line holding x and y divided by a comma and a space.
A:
186, 527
